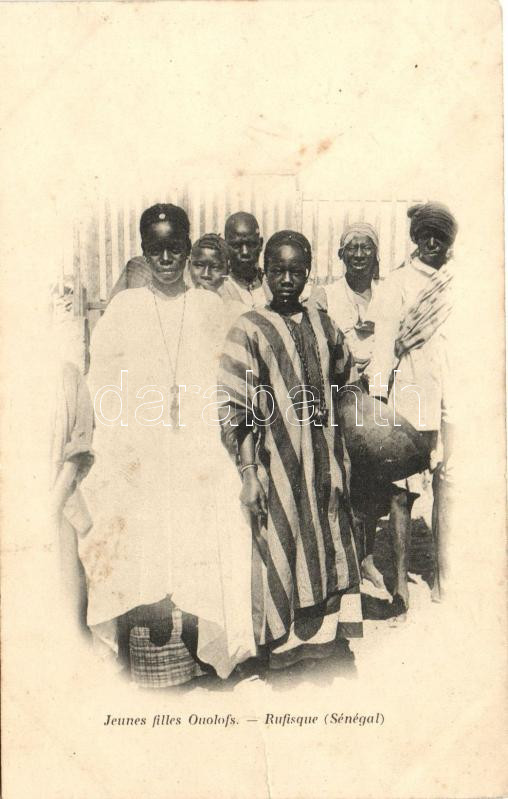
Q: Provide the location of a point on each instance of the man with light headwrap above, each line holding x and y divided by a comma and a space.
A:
351, 303
351, 300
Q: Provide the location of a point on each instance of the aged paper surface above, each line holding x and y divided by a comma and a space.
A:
351, 102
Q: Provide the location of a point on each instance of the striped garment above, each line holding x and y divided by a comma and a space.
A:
305, 569
429, 311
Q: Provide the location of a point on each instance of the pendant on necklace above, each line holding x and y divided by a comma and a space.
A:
174, 408
320, 417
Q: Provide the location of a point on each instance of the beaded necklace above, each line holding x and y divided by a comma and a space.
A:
320, 410
174, 410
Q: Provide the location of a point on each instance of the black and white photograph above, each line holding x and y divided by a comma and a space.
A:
247, 427
254, 433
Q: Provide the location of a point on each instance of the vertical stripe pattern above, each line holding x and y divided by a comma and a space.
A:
306, 545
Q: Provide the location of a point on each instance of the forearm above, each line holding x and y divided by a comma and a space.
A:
246, 449
252, 494
64, 485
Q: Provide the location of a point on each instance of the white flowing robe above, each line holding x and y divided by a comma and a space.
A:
421, 387
164, 501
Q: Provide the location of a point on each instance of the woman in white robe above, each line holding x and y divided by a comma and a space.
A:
168, 553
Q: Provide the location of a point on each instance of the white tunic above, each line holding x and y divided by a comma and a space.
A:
164, 501
349, 309
233, 291
422, 377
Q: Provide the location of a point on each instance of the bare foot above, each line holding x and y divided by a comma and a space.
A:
398, 621
400, 604
378, 593
401, 595
372, 574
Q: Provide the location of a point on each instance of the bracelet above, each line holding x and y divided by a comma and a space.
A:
248, 466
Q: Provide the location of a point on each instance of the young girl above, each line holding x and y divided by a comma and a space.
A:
167, 560
278, 366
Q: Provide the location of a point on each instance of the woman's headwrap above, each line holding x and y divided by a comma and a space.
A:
212, 241
165, 212
433, 215
288, 237
359, 229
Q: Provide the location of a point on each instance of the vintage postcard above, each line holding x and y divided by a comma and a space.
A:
253, 400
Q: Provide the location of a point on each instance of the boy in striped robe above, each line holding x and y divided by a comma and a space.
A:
278, 366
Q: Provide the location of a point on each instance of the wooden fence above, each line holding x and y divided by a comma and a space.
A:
99, 246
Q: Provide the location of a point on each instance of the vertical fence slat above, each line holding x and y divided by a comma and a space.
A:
407, 248
298, 211
384, 229
257, 210
139, 207
290, 212
61, 271
393, 233
92, 255
206, 207
238, 206
243, 198
202, 214
402, 244
108, 247
265, 220
185, 200
111, 239
69, 254
76, 268
115, 267
103, 292
315, 237
227, 204
221, 211
83, 260
345, 221
252, 200
331, 231
132, 232
194, 213
125, 232
216, 227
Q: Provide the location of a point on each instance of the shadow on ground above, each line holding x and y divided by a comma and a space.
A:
324, 672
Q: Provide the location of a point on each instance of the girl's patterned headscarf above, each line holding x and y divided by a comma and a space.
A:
359, 229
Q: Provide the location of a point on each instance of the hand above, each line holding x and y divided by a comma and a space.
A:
253, 494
